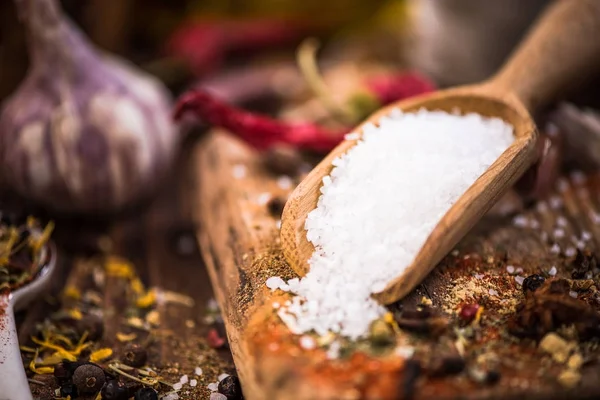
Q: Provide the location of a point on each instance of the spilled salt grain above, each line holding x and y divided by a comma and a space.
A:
493, 292
307, 342
405, 351
170, 396
263, 198
585, 236
178, 386
555, 202
542, 207
562, 185
276, 305
534, 224
278, 224
239, 171
184, 379
275, 283
573, 294
561, 221
570, 251
555, 249
552, 271
213, 387
217, 396
285, 182
375, 212
193, 383
222, 376
334, 350
519, 270
519, 280
198, 371
559, 233
510, 269
520, 221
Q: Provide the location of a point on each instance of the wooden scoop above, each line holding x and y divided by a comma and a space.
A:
561, 48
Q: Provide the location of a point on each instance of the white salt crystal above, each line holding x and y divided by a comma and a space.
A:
455, 253
239, 171
263, 198
552, 271
276, 305
555, 249
510, 269
184, 379
285, 182
559, 233
222, 376
198, 371
379, 204
217, 396
493, 292
573, 294
580, 244
520, 221
307, 342
595, 217
551, 129
534, 224
213, 387
519, 280
405, 351
561, 221
278, 224
570, 251
542, 207
170, 396
479, 276
178, 386
275, 283
519, 270
585, 236
193, 383
352, 136
334, 350
555, 202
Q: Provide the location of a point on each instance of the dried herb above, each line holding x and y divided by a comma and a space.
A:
21, 252
551, 307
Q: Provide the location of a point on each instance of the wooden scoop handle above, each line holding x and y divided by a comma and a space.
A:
557, 53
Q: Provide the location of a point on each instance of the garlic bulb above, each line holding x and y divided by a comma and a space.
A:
85, 132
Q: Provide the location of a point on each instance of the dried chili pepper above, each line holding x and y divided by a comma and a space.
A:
258, 130
204, 45
389, 88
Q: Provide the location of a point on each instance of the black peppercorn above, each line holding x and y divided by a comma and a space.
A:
533, 283
89, 378
69, 389
231, 388
492, 377
114, 390
146, 394
63, 371
134, 355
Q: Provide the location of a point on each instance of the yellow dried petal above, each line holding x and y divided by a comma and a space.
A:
72, 292
27, 349
37, 243
75, 314
31, 221
146, 300
63, 352
153, 318
137, 286
136, 322
44, 370
101, 354
52, 359
124, 337
478, 314
119, 267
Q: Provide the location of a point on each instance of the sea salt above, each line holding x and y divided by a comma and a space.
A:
519, 280
520, 221
378, 206
570, 251
561, 221
552, 271
285, 182
193, 382
573, 294
275, 283
555, 249
405, 351
585, 236
178, 386
263, 198
222, 376
555, 202
510, 269
198, 371
184, 379
307, 342
217, 396
213, 387
559, 233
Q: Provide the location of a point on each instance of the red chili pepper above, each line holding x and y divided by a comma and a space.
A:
390, 88
204, 45
258, 130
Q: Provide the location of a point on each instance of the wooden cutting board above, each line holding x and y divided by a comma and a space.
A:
239, 241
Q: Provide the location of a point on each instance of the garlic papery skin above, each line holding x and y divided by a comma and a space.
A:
85, 132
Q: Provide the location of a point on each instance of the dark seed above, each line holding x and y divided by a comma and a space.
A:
63, 371
533, 283
69, 390
468, 312
89, 378
114, 390
492, 377
447, 366
412, 371
135, 355
275, 206
231, 388
146, 394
